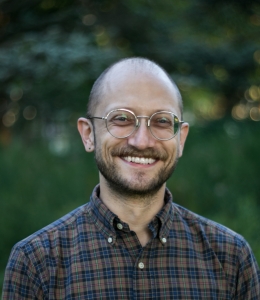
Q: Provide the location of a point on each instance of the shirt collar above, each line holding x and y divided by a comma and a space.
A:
165, 215
105, 219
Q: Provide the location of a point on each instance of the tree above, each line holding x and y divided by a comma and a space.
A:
52, 51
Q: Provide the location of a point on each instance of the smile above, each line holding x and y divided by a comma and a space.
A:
139, 160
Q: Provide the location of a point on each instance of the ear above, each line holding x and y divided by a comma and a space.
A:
183, 135
86, 131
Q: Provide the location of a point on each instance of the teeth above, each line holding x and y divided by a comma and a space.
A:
150, 160
139, 160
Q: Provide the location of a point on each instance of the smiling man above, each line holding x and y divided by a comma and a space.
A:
131, 241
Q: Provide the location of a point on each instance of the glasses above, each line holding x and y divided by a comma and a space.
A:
121, 123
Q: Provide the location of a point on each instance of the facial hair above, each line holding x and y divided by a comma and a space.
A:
124, 187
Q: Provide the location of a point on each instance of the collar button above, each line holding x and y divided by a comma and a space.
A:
119, 226
164, 240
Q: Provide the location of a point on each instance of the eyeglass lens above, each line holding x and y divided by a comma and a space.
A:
122, 123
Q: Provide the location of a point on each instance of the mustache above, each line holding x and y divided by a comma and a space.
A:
132, 151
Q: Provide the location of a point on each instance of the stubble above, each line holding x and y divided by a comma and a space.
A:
139, 187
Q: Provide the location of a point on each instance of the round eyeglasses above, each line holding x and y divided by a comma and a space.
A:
121, 123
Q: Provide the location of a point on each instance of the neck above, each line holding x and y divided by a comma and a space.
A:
137, 211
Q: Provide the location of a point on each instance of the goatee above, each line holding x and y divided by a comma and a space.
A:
140, 187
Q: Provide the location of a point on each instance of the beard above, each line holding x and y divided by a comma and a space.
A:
139, 187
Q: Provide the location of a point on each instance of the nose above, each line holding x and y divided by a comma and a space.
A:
142, 137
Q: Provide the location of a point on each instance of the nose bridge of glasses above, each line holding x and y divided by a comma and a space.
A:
143, 117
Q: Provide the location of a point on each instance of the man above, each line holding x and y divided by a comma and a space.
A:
131, 241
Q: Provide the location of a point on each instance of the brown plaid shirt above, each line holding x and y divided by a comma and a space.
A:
91, 254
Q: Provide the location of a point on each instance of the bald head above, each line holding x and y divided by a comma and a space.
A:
128, 67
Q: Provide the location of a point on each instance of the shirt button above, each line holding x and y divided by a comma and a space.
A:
141, 265
110, 240
119, 226
164, 240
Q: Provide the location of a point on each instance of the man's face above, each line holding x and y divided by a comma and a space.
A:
138, 164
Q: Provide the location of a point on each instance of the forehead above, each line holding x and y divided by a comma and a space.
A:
142, 91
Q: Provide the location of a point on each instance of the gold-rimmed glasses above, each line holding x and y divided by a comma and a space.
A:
121, 123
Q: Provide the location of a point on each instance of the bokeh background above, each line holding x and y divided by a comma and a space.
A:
51, 51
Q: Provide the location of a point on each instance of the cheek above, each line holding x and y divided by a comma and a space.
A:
103, 146
100, 130
173, 151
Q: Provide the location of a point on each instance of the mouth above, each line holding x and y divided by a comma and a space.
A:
139, 160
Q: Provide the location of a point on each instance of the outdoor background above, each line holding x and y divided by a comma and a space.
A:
51, 51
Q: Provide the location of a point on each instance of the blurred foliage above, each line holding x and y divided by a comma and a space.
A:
51, 51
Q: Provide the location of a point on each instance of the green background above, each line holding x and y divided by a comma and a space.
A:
50, 54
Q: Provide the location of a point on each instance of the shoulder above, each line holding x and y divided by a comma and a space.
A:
226, 244
44, 253
61, 232
214, 242
211, 229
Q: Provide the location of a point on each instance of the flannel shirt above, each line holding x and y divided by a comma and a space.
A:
91, 254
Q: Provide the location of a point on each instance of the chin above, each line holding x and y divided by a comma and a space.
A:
128, 188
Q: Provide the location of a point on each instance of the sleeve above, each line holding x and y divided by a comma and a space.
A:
248, 280
20, 279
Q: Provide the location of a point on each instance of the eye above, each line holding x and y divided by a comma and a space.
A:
162, 121
121, 118
118, 118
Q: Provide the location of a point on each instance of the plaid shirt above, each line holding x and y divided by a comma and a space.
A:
91, 254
